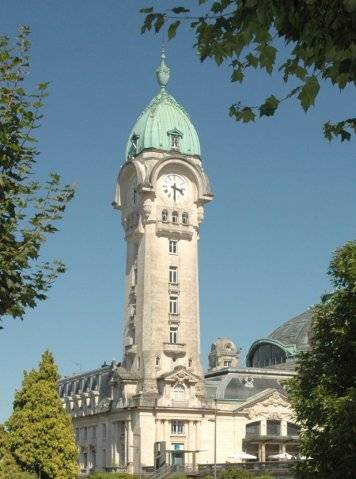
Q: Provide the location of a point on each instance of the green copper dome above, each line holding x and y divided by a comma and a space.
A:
163, 124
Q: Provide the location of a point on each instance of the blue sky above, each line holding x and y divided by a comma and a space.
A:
284, 197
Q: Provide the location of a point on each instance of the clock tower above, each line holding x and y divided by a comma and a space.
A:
161, 192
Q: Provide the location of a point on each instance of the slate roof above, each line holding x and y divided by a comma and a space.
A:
296, 331
244, 383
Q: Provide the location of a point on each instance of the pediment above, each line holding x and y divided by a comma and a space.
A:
180, 375
175, 132
271, 404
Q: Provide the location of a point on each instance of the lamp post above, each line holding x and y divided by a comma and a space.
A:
215, 443
215, 416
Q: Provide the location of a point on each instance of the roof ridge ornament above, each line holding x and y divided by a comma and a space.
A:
163, 72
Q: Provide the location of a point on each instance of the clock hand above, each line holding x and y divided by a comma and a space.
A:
174, 190
180, 190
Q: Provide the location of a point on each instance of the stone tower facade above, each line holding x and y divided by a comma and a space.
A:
161, 192
152, 409
223, 354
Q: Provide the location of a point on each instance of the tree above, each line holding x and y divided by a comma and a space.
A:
319, 44
324, 392
8, 467
41, 437
28, 209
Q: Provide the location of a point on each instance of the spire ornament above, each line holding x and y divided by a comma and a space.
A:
163, 72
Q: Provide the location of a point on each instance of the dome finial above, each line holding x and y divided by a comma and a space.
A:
162, 71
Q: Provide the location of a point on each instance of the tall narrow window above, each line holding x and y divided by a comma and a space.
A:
175, 142
135, 275
173, 334
173, 246
179, 392
158, 361
173, 274
173, 305
175, 137
177, 427
103, 429
164, 216
185, 218
174, 217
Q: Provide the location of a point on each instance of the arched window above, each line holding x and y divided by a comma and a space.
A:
174, 217
266, 355
179, 392
185, 218
164, 216
158, 361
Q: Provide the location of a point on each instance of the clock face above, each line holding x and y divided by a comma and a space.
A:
174, 187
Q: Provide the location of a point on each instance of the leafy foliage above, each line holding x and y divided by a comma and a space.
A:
111, 475
236, 473
28, 209
41, 437
324, 392
320, 36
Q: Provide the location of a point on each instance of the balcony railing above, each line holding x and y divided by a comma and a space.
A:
131, 349
174, 349
179, 404
268, 437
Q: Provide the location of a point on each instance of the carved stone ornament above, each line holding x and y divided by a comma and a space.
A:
104, 405
180, 375
200, 214
272, 407
146, 211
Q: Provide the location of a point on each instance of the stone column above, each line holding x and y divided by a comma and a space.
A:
198, 445
129, 444
115, 442
262, 452
190, 442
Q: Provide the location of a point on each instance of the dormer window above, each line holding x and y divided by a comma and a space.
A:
164, 216
175, 142
175, 139
185, 218
134, 144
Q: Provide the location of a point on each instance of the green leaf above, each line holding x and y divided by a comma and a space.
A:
172, 30
267, 57
269, 107
309, 92
146, 10
237, 75
178, 10
252, 60
159, 23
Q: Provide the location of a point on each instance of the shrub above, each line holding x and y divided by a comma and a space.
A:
111, 475
235, 473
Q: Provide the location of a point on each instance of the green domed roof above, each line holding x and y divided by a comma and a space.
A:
163, 124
